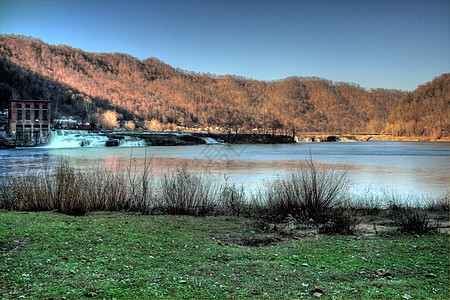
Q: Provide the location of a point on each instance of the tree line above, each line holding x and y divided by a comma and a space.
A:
151, 94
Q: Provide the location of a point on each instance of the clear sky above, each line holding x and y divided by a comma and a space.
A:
375, 43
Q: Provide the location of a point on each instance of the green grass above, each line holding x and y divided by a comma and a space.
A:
121, 255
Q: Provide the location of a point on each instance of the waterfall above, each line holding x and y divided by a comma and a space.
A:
211, 141
81, 138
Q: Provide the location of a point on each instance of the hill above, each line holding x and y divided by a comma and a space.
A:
423, 112
152, 94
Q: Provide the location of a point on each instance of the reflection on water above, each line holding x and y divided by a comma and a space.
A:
407, 167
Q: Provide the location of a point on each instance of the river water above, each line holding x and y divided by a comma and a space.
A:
419, 168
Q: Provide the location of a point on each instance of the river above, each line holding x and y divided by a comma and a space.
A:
419, 168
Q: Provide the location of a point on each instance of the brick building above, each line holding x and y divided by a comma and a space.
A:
29, 121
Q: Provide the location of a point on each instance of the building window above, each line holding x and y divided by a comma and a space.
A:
36, 114
44, 106
44, 115
27, 114
19, 114
27, 105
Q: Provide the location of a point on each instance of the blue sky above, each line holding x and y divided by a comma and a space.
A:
375, 43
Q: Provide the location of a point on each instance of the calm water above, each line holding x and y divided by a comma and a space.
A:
404, 167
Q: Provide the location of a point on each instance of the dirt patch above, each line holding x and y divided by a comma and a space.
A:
14, 245
270, 234
368, 226
260, 240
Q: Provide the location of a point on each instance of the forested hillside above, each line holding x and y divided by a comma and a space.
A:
152, 94
423, 112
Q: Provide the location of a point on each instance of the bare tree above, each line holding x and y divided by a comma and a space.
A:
89, 110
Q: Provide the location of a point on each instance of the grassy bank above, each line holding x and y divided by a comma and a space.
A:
101, 234
127, 255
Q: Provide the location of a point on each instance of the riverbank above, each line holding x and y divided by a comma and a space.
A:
130, 240
86, 139
242, 138
410, 139
7, 143
123, 255
175, 139
320, 137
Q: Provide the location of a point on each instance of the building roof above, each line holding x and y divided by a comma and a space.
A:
21, 100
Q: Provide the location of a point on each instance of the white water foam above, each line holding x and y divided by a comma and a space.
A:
211, 141
82, 138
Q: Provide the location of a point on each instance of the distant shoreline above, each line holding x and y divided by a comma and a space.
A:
411, 139
198, 138
324, 137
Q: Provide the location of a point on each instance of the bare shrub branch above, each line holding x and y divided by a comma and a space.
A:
306, 193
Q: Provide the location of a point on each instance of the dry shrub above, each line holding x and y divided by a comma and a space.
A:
106, 190
368, 202
140, 187
343, 220
440, 205
307, 193
32, 192
70, 195
186, 193
25, 191
413, 220
5, 193
77, 192
410, 215
65, 190
232, 201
